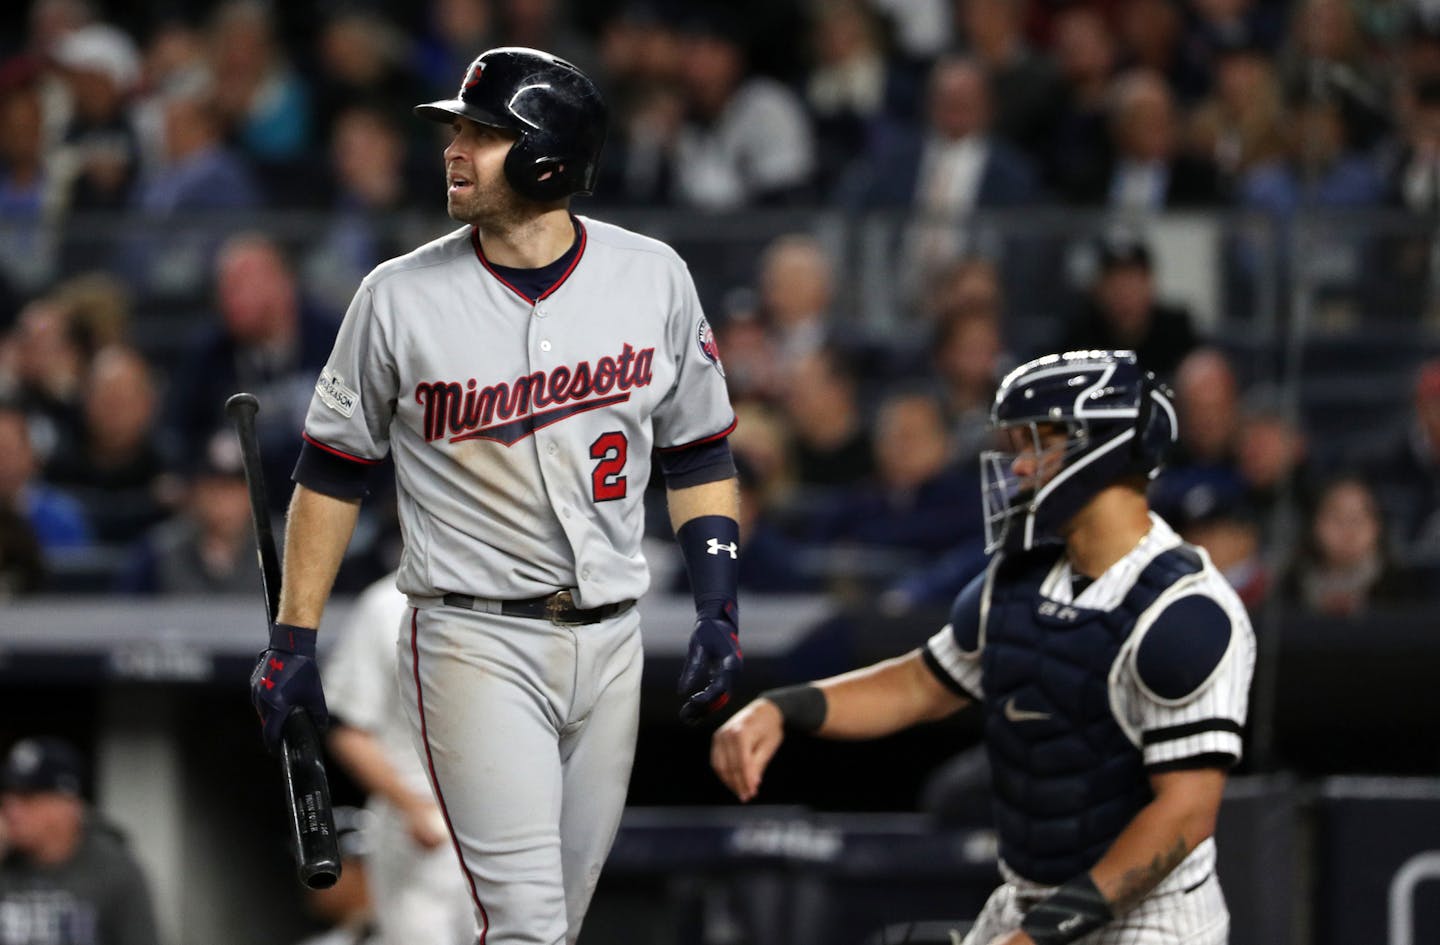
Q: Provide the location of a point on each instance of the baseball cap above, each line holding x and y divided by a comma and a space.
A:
1122, 249
103, 49
43, 763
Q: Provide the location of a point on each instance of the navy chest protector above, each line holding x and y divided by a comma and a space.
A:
1066, 778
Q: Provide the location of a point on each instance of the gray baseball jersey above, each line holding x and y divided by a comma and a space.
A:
522, 430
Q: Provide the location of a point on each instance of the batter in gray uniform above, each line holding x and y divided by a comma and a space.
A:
520, 371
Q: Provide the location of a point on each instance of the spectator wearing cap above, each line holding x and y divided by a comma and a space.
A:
68, 877
1406, 474
99, 160
206, 547
55, 519
1123, 311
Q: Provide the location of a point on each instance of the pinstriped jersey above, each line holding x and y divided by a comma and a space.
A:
1178, 683
522, 428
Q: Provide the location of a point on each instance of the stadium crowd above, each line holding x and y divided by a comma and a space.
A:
151, 156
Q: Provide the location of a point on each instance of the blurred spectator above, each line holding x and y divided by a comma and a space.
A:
51, 354
99, 160
1148, 172
922, 28
49, 20
115, 470
943, 171
207, 546
363, 59
346, 908
967, 357
199, 175
267, 341
831, 445
371, 185
1272, 454
918, 504
797, 290
455, 32
745, 139
1150, 33
28, 196
1406, 475
853, 84
1241, 126
1318, 166
543, 24
1217, 27
1202, 472
1025, 87
762, 440
176, 55
1327, 53
1419, 47
261, 97
22, 563
1123, 312
1077, 153
68, 876
1230, 532
1344, 565
55, 518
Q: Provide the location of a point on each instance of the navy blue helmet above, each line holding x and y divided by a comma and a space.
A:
555, 108
1117, 420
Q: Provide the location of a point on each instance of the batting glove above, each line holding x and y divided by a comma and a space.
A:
714, 660
287, 678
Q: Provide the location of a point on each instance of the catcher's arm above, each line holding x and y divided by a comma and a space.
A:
871, 702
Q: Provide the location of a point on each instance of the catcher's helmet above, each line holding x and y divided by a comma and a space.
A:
1118, 422
555, 108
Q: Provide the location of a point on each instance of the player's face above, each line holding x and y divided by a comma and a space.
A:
476, 191
1038, 453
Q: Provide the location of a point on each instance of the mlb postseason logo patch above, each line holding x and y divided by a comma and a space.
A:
705, 338
335, 395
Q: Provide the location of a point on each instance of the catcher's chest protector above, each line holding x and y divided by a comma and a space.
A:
1066, 777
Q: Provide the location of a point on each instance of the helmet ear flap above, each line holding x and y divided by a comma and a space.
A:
1154, 424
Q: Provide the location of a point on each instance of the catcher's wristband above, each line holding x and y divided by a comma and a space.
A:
803, 707
292, 639
1075, 909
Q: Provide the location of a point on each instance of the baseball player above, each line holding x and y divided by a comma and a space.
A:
1111, 660
417, 893
519, 371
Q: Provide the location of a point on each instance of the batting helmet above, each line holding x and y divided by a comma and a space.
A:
1118, 422
554, 107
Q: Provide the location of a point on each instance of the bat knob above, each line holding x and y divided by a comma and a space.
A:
241, 404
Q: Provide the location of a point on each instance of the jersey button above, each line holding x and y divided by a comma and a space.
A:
585, 574
564, 513
545, 346
552, 449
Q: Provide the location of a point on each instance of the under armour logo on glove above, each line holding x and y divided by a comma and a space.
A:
714, 660
714, 546
287, 678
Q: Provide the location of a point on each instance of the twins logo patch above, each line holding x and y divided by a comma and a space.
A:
705, 338
474, 78
335, 395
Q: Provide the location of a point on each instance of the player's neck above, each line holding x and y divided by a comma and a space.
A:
530, 243
1106, 530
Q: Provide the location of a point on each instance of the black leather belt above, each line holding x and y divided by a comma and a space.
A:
558, 607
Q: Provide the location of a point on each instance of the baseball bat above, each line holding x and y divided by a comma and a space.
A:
302, 763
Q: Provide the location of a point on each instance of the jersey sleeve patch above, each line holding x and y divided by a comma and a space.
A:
1183, 647
709, 347
334, 394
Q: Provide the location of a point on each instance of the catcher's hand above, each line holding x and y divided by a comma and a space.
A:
743, 746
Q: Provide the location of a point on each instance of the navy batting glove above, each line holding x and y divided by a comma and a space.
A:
286, 678
714, 662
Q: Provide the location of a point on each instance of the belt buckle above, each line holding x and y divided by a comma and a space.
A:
556, 606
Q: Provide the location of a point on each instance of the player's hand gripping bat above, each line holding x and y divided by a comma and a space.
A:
307, 789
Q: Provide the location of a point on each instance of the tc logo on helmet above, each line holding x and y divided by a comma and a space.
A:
474, 79
705, 337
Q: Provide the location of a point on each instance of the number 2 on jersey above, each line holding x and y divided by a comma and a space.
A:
606, 481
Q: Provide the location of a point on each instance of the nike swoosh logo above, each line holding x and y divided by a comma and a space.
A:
1014, 714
